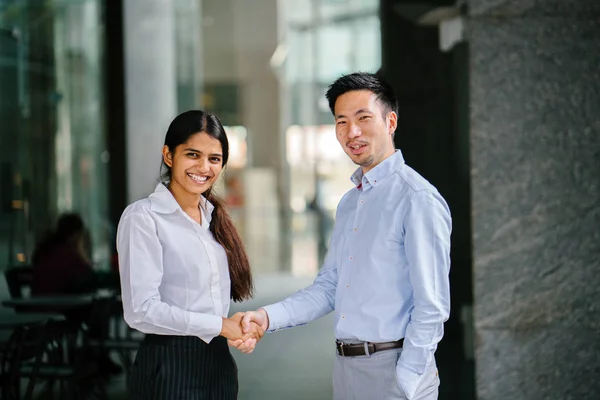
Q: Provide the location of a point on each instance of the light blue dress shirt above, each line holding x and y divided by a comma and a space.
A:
386, 271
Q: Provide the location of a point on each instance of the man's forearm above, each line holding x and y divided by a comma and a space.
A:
300, 308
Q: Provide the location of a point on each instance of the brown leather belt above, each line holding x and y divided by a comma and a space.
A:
365, 348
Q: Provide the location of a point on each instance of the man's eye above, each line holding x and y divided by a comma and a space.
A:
341, 122
365, 117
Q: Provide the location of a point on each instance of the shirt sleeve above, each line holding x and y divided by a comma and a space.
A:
141, 271
307, 304
427, 244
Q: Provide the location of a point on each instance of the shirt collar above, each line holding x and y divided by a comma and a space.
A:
162, 201
381, 171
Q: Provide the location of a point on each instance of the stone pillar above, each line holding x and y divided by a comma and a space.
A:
150, 89
535, 151
254, 44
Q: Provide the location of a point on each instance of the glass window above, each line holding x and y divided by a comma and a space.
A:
335, 38
336, 52
52, 146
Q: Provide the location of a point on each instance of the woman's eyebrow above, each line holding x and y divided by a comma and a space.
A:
198, 151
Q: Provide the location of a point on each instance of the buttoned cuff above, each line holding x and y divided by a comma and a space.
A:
205, 326
408, 379
278, 317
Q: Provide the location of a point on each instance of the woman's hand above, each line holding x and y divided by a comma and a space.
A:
232, 330
251, 320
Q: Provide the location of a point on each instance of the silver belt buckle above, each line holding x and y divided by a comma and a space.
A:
340, 347
366, 344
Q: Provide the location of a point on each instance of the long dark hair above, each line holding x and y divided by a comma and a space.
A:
181, 129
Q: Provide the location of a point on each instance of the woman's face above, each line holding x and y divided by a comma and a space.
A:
196, 164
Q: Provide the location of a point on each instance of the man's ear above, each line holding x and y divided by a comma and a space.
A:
393, 122
167, 156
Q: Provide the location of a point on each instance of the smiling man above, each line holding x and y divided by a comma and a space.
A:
386, 271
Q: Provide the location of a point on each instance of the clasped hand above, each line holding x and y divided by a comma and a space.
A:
246, 340
244, 330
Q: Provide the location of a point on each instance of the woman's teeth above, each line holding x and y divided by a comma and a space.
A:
198, 178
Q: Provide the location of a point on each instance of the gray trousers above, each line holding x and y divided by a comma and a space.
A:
374, 378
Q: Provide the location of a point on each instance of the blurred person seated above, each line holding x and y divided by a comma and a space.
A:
61, 263
62, 266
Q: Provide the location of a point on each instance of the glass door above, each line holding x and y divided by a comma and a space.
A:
52, 141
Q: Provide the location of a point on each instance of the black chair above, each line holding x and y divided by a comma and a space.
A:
77, 376
18, 278
26, 346
44, 354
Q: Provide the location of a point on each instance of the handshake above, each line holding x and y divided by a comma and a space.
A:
244, 330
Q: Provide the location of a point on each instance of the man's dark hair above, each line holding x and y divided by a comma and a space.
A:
363, 81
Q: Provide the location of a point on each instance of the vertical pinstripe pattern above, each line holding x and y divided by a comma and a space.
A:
183, 367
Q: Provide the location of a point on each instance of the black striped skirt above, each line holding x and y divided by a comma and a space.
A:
183, 367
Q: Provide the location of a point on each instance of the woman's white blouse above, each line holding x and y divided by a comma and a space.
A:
174, 275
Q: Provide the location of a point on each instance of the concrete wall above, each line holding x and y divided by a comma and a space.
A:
535, 149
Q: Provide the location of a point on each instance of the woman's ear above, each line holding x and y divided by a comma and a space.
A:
167, 156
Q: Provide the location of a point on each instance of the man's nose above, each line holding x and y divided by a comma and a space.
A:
354, 131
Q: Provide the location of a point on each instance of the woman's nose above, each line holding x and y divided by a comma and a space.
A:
203, 164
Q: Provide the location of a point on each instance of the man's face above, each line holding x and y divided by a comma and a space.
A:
364, 128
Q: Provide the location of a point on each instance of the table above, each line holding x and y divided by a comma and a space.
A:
11, 320
54, 303
71, 307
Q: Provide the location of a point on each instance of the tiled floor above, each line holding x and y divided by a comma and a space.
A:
287, 365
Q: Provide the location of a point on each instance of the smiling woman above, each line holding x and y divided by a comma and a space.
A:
181, 261
192, 168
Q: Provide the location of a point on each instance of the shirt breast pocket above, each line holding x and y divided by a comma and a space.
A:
389, 247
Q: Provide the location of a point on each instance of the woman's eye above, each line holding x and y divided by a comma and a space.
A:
215, 159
